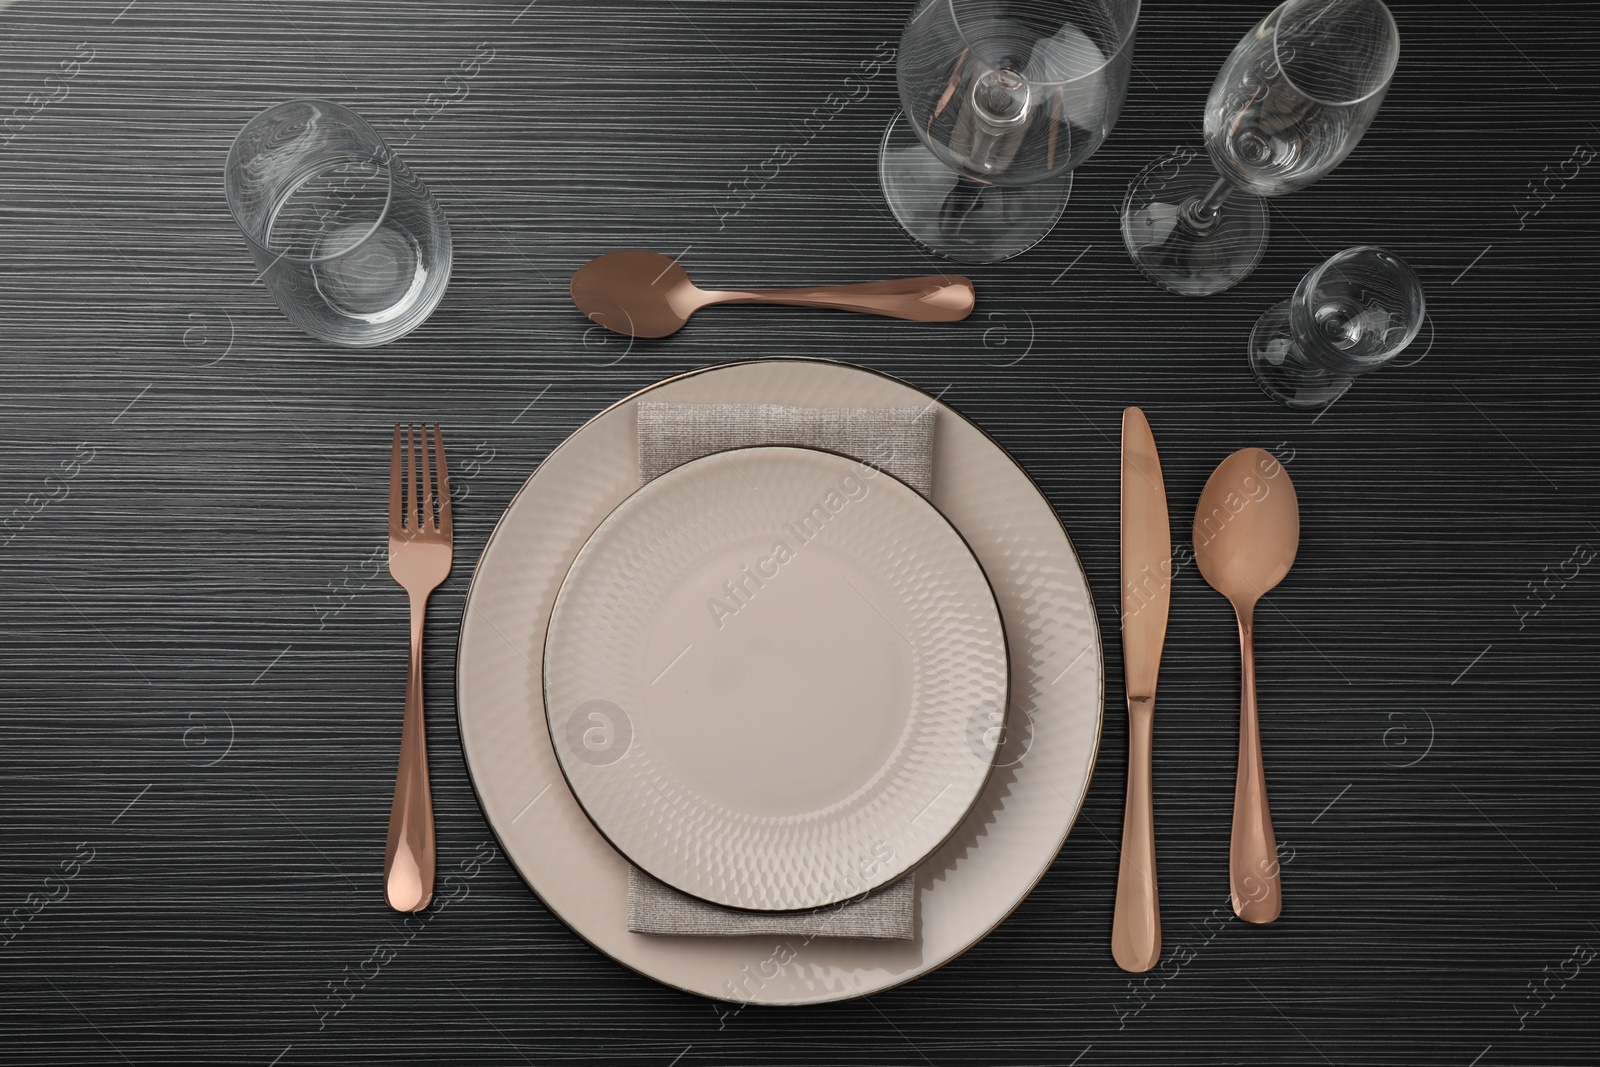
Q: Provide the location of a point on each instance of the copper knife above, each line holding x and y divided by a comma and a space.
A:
1146, 595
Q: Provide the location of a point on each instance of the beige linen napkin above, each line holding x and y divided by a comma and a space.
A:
898, 441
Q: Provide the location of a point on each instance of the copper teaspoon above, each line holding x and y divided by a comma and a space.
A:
1246, 532
646, 294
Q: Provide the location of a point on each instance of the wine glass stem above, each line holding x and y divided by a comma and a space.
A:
1202, 213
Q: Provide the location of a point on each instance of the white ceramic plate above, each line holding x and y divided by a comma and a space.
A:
969, 884
771, 677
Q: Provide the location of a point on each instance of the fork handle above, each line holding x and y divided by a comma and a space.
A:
408, 860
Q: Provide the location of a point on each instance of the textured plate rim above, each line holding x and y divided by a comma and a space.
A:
1092, 616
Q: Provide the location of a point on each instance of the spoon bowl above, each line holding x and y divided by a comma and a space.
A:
1247, 527
646, 294
641, 294
1246, 534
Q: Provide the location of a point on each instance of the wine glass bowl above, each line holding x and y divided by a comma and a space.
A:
1349, 316
1298, 92
1290, 103
1001, 100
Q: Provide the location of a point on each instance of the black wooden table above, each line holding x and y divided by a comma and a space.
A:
203, 663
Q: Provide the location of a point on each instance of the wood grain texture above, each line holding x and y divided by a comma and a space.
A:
203, 669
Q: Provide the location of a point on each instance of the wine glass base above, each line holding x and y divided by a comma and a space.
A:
1175, 247
956, 217
1283, 373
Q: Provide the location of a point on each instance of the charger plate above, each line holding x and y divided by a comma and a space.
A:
970, 883
772, 676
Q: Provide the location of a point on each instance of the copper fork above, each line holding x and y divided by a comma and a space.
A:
419, 559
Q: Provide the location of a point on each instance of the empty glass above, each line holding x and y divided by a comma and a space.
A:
1289, 105
351, 245
1348, 317
1002, 99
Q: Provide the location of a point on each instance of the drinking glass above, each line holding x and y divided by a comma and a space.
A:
350, 244
1350, 316
1289, 105
1001, 100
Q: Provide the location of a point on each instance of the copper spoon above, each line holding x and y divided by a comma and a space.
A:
1246, 532
646, 294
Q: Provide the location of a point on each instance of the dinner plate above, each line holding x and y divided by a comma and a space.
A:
771, 676
970, 883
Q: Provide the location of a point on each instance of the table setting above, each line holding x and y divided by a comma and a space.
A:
510, 566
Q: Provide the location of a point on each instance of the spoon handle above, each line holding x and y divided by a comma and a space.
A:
1136, 922
931, 298
1253, 855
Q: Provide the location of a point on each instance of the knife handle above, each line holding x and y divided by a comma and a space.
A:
1136, 923
1253, 851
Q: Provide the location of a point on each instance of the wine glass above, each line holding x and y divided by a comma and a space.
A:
352, 246
1001, 100
1351, 315
1290, 103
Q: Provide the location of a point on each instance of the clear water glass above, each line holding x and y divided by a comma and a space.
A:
1348, 317
351, 245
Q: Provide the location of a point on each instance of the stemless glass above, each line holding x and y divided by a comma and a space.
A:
350, 244
1349, 316
1001, 99
1289, 105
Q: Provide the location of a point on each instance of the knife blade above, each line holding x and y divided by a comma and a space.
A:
1146, 599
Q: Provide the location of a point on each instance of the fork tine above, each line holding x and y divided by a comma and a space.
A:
427, 524
444, 480
411, 502
394, 482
